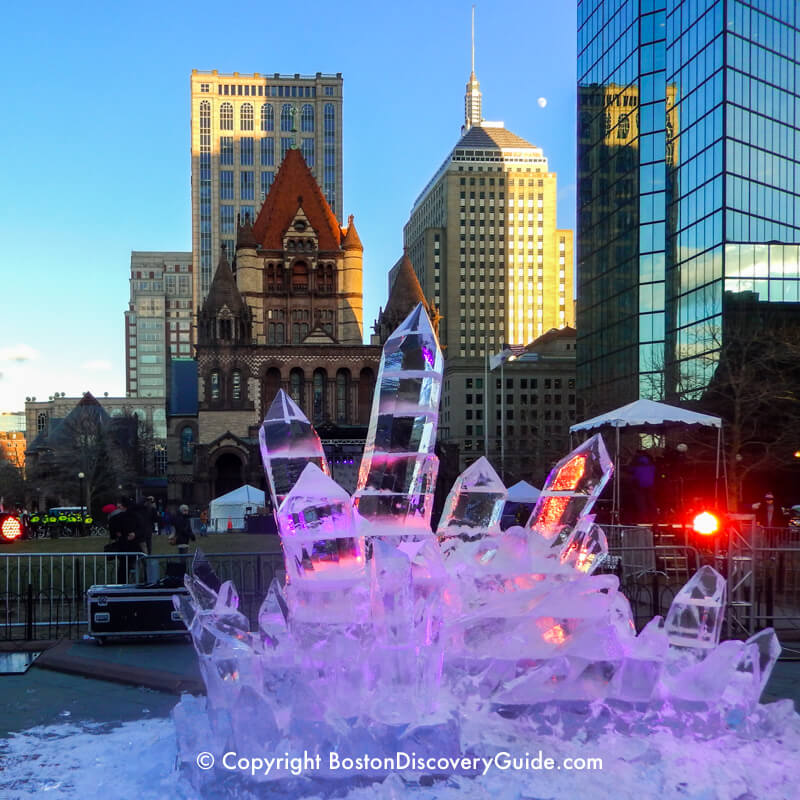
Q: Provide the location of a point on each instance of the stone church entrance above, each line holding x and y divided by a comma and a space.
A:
228, 474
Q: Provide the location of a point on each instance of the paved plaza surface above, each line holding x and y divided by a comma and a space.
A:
84, 682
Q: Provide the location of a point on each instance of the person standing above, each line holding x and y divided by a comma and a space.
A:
144, 527
183, 530
768, 515
122, 528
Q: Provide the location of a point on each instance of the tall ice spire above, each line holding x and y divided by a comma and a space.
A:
472, 99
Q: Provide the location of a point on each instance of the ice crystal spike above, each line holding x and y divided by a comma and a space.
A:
571, 489
695, 616
398, 470
769, 649
475, 504
586, 546
318, 530
288, 442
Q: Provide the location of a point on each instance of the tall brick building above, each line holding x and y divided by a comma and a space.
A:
285, 314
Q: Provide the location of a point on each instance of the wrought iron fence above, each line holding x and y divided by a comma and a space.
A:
43, 596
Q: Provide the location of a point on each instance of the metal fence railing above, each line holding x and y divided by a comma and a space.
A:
761, 566
43, 596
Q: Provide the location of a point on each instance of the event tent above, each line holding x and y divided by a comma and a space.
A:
234, 506
522, 492
648, 414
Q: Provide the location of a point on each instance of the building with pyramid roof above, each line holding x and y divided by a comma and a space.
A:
485, 245
284, 311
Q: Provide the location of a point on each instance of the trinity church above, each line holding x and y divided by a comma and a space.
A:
284, 312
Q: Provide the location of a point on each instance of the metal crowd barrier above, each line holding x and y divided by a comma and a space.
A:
43, 595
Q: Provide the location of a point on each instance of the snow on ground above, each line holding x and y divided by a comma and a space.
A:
138, 761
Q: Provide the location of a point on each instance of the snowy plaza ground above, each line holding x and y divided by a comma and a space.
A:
72, 737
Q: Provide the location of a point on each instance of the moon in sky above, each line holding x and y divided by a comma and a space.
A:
542, 101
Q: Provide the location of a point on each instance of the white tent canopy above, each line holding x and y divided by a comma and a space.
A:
233, 506
522, 492
646, 412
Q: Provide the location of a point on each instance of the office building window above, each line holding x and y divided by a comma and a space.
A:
226, 221
247, 185
266, 181
287, 117
246, 117
226, 150
307, 119
226, 184
267, 152
246, 151
226, 117
307, 148
267, 117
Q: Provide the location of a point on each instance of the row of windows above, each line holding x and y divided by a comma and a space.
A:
288, 114
248, 90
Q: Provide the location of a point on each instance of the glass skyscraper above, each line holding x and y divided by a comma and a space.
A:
689, 185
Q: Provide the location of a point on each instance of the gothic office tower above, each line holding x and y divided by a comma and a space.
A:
688, 187
242, 128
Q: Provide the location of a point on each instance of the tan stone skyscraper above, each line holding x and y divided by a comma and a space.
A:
484, 242
242, 127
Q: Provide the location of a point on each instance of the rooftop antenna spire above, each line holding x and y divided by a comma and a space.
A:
472, 71
472, 98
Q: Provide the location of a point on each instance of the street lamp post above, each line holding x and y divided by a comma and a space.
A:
81, 476
505, 355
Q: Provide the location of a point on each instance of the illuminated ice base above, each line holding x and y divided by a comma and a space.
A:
137, 759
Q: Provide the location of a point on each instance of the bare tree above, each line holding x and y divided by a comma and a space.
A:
750, 378
12, 482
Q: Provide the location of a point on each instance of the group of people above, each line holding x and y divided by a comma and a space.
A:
131, 527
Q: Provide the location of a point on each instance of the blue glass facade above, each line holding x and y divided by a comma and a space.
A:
715, 166
621, 200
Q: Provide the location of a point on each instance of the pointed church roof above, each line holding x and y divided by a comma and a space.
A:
406, 291
87, 414
244, 235
294, 186
351, 240
223, 290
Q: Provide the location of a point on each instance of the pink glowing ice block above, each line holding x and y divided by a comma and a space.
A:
288, 442
571, 489
318, 530
398, 470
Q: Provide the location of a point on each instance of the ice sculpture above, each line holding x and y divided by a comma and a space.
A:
473, 508
288, 442
695, 616
398, 471
394, 647
586, 546
571, 489
318, 530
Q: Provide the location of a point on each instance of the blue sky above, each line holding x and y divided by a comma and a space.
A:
95, 137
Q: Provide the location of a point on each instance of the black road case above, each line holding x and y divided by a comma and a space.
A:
131, 611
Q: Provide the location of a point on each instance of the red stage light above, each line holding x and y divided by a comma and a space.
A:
11, 528
706, 524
